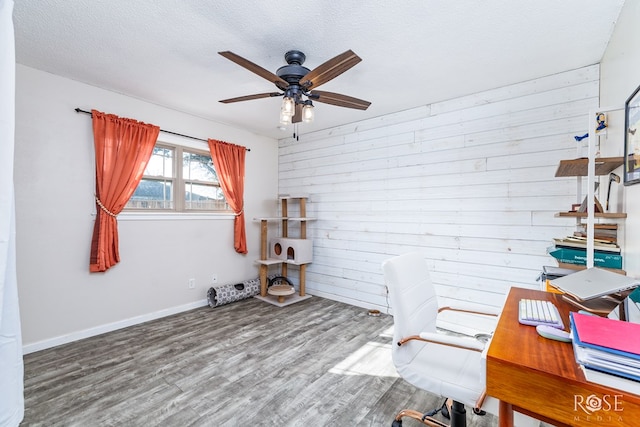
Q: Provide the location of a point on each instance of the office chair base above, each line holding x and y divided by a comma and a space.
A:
426, 420
456, 413
444, 409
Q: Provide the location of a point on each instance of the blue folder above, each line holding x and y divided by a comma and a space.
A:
604, 359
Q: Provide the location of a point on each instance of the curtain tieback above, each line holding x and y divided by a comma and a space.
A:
108, 212
239, 213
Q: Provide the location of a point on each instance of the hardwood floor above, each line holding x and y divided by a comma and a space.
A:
314, 363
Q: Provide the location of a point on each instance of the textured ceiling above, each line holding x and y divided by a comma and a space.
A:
413, 52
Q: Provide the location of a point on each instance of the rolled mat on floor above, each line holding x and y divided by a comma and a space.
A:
224, 294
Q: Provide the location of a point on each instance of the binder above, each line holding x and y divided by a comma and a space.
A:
608, 335
609, 363
601, 352
609, 380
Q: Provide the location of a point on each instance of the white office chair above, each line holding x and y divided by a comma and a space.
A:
451, 366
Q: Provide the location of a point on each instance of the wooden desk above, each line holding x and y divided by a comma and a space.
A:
540, 377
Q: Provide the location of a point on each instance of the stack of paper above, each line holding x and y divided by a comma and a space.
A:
607, 232
608, 351
581, 243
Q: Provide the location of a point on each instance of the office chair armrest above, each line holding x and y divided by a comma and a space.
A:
472, 308
448, 340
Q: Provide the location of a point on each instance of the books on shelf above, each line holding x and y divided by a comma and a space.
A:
571, 251
581, 243
576, 267
579, 257
604, 231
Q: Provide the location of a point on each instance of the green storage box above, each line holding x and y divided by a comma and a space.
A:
579, 257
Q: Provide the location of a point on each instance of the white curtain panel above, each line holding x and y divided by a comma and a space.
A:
11, 366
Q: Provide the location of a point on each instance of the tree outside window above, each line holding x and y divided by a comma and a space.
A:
191, 186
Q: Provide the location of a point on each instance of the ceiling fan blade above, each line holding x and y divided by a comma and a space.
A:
330, 69
297, 117
250, 97
254, 68
339, 100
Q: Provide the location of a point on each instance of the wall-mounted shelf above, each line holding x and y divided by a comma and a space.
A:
589, 167
610, 215
578, 167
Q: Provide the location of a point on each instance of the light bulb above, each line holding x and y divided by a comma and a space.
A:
285, 118
307, 113
288, 105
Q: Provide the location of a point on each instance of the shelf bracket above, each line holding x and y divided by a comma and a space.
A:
591, 173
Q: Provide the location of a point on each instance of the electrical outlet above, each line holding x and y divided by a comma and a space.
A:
214, 278
192, 283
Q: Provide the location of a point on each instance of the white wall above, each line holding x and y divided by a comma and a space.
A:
619, 79
54, 179
11, 363
469, 182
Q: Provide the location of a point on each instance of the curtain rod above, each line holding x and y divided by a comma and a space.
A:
78, 110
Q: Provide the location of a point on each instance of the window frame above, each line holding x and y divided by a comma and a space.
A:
178, 184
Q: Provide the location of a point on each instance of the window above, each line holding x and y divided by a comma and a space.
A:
178, 179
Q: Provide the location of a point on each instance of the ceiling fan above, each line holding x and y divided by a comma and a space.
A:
298, 84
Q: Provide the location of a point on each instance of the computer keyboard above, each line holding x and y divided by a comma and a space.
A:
539, 312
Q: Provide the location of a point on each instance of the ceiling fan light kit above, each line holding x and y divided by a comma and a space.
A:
307, 112
288, 105
285, 119
298, 84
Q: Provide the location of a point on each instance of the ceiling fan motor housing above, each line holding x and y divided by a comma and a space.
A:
294, 71
295, 57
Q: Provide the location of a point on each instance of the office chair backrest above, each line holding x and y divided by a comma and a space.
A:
413, 300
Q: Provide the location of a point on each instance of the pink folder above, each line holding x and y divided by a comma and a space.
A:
604, 332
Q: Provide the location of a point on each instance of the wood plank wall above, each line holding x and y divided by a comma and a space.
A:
469, 182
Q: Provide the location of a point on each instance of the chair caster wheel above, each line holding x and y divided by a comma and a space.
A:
396, 423
479, 411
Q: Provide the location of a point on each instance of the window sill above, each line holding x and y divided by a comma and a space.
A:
172, 216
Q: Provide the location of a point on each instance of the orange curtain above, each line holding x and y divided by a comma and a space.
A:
123, 149
228, 159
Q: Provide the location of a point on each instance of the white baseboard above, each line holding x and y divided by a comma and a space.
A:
98, 330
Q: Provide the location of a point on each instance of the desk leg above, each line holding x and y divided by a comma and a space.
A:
505, 414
